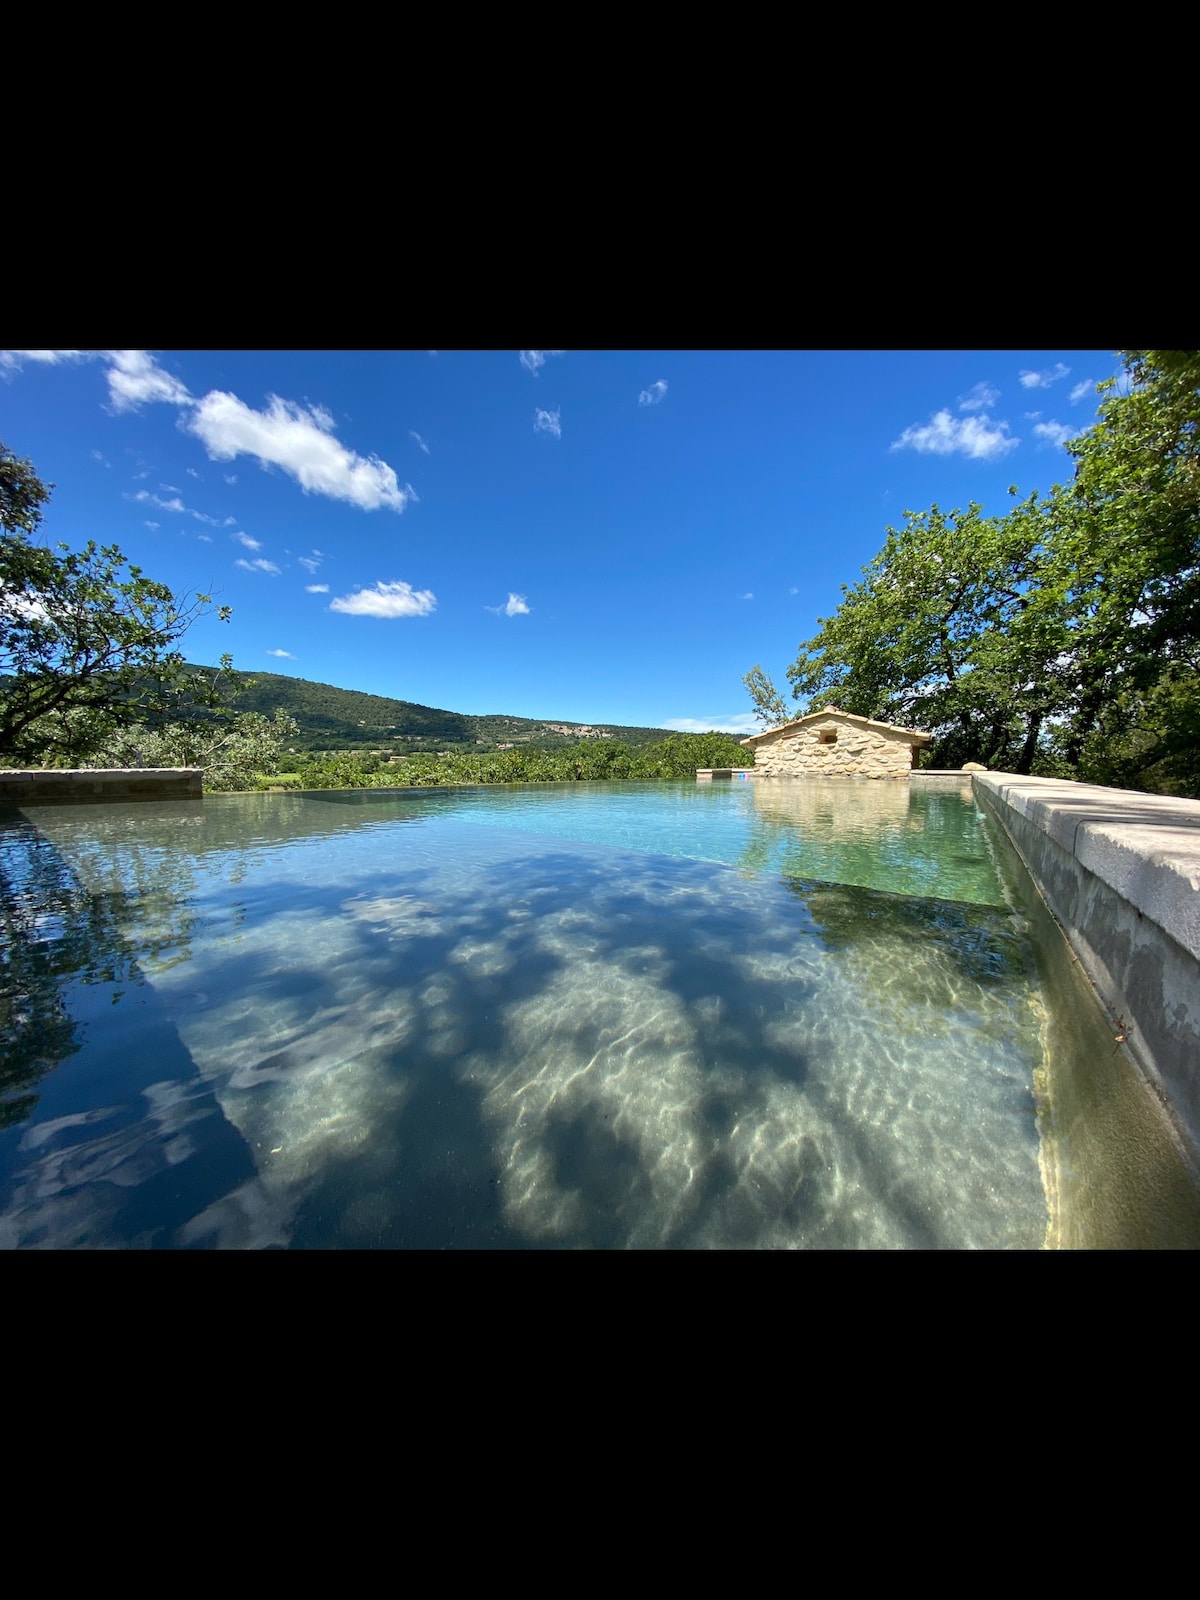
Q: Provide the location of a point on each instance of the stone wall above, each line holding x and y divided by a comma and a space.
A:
854, 752
1121, 873
64, 785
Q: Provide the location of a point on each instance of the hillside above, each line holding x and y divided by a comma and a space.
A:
343, 719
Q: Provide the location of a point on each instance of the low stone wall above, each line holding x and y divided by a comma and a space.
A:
63, 785
1120, 872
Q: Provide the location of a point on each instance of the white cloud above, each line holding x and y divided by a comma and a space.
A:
413, 434
284, 655
191, 471
11, 361
144, 497
652, 395
206, 537
978, 438
980, 398
748, 596
154, 526
793, 590
548, 422
1032, 416
309, 563
387, 600
531, 360
300, 440
244, 538
1043, 380
1055, 432
514, 606
316, 588
258, 566
230, 477
134, 377
1082, 390
742, 724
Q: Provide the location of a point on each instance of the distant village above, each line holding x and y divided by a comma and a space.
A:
583, 731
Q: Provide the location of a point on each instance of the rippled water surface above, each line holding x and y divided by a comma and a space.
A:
758, 1014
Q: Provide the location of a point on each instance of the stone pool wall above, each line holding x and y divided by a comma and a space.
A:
63, 785
1120, 871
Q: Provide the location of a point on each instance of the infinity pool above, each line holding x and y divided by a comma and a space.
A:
596, 1015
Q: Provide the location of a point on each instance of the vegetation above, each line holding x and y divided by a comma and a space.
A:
87, 641
1062, 637
675, 757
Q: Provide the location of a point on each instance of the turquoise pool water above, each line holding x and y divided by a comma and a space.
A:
605, 1015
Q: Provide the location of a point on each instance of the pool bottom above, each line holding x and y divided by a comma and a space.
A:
453, 1036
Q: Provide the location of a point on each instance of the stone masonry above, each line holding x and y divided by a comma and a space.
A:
835, 744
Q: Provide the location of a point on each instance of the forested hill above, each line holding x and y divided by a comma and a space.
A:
340, 719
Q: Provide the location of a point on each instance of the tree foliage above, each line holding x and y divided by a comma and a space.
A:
87, 641
234, 752
1061, 637
769, 705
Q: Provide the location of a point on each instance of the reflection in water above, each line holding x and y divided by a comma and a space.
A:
464, 1020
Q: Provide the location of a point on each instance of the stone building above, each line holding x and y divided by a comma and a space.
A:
835, 744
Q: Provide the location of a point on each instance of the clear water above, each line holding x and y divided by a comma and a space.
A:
760, 1014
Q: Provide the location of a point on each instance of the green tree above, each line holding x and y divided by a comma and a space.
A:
87, 641
1061, 637
769, 705
234, 752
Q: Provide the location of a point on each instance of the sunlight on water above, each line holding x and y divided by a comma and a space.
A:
603, 1015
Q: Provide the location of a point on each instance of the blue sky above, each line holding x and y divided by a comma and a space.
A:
604, 536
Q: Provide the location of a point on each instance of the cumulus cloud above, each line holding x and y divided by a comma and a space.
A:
300, 440
531, 360
548, 422
652, 395
258, 566
244, 538
387, 600
312, 562
748, 596
742, 724
191, 471
207, 537
1082, 390
1043, 380
980, 398
284, 655
155, 526
977, 438
514, 606
316, 588
230, 477
135, 378
1055, 432
413, 434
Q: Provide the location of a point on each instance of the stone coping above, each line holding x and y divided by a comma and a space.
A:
1145, 847
55, 785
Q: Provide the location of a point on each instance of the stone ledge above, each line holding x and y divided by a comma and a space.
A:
96, 785
1145, 847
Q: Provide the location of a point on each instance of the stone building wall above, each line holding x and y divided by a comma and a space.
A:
853, 752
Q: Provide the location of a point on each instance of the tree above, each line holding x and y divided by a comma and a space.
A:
769, 705
1062, 637
86, 639
234, 753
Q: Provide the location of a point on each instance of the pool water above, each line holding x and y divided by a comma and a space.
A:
595, 1015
